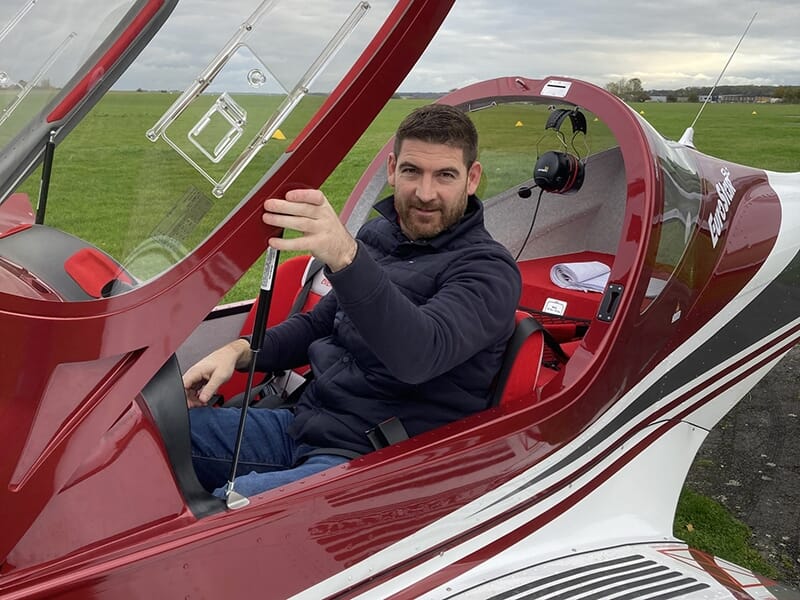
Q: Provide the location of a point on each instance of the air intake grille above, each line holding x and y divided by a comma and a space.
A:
628, 578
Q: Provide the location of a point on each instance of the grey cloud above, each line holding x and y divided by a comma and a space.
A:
671, 44
665, 44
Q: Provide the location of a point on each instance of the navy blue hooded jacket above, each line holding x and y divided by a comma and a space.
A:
411, 329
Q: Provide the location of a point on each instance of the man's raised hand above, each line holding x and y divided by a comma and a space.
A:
323, 234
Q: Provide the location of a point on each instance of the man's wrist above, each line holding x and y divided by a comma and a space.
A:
241, 348
346, 257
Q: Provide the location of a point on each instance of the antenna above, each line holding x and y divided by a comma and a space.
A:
687, 139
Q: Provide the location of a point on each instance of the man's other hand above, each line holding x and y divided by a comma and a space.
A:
202, 381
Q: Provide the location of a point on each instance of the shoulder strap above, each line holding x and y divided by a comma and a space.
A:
549, 340
553, 344
314, 266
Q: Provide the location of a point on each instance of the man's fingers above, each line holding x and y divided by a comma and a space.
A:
299, 243
287, 207
306, 196
310, 213
203, 380
192, 385
302, 224
193, 378
217, 378
193, 401
279, 206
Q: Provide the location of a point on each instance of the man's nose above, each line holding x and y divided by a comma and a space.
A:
426, 191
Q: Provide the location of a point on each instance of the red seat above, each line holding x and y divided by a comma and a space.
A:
290, 279
522, 362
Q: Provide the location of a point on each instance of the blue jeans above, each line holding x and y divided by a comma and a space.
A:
268, 455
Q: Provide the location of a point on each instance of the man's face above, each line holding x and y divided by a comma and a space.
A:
431, 184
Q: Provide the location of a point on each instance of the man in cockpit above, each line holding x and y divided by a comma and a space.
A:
412, 333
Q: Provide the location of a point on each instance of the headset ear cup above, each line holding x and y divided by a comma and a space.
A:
558, 172
577, 173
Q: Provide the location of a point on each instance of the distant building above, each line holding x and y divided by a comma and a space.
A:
737, 99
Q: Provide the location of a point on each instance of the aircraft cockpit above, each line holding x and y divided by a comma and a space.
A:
160, 225
139, 141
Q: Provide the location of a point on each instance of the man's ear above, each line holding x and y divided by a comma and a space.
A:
474, 177
391, 164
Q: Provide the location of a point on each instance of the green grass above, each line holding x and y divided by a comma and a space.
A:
706, 525
767, 139
107, 172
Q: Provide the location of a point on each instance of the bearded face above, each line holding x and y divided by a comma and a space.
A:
431, 185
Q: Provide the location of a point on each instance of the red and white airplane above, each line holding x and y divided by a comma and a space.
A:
565, 487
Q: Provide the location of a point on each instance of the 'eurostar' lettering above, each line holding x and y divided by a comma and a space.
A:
725, 193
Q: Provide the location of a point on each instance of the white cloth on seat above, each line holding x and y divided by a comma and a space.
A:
589, 276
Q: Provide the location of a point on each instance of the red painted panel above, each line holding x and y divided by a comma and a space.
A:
106, 62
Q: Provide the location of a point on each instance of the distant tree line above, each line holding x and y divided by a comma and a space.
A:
789, 93
631, 90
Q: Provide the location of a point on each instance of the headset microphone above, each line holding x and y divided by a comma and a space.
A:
525, 191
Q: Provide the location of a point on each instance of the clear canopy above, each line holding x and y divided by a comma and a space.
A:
214, 102
202, 114
43, 45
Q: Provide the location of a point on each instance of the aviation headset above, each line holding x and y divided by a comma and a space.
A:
561, 172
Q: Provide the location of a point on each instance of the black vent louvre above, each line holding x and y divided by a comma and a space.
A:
627, 578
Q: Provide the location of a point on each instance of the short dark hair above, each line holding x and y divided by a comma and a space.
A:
440, 124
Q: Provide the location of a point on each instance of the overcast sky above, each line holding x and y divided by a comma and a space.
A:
667, 44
